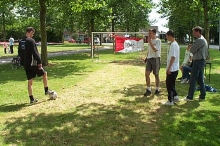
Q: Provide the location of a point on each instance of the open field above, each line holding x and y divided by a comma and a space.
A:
102, 103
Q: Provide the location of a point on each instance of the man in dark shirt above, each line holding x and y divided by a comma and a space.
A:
32, 62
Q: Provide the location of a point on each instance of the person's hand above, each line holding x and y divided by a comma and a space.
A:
39, 66
148, 39
145, 59
168, 72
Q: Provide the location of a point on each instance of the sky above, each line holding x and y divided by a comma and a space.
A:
160, 21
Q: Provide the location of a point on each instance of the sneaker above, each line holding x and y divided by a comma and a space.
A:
168, 103
179, 78
33, 101
176, 99
49, 92
183, 81
147, 93
157, 92
187, 99
187, 82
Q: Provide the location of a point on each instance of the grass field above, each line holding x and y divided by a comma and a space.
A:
102, 103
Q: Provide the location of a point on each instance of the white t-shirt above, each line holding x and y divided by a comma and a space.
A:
11, 41
187, 57
174, 51
157, 44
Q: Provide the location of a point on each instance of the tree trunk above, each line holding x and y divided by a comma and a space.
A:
43, 10
206, 21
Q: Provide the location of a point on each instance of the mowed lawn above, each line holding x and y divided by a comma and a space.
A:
102, 103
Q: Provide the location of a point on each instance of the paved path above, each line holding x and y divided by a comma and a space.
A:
9, 59
214, 47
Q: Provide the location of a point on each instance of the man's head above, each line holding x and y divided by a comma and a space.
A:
170, 35
30, 32
152, 33
197, 31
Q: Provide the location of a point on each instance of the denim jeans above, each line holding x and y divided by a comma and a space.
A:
186, 71
197, 76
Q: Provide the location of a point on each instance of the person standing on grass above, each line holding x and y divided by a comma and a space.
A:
153, 61
200, 52
11, 44
5, 46
31, 61
172, 68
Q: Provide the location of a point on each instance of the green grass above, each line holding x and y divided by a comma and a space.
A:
102, 103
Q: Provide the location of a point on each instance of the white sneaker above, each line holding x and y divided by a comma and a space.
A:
183, 81
187, 99
176, 99
168, 103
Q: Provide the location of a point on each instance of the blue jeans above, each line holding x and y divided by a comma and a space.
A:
186, 71
197, 76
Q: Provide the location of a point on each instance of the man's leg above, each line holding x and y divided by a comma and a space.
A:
157, 81
30, 82
45, 79
147, 77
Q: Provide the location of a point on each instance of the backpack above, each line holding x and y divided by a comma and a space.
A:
21, 51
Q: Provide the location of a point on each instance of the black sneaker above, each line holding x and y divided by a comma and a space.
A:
33, 101
49, 92
179, 78
147, 93
157, 92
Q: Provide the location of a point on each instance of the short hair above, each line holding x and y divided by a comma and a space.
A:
29, 29
198, 29
170, 33
153, 30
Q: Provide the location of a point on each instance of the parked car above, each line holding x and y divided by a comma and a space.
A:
72, 41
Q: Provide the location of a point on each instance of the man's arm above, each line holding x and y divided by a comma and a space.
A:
196, 46
170, 64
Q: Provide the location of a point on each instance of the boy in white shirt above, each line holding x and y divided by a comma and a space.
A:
172, 68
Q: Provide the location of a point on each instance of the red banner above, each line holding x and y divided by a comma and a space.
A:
123, 44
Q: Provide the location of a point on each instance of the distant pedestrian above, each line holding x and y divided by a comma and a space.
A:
172, 68
11, 44
200, 52
5, 46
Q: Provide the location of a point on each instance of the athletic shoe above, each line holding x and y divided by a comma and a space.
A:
179, 78
49, 92
183, 81
147, 93
201, 99
157, 92
168, 103
33, 101
176, 99
187, 99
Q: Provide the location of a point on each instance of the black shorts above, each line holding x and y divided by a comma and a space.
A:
33, 71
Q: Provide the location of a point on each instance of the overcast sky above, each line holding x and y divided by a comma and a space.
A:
160, 22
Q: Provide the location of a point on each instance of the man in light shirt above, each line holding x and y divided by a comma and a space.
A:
153, 61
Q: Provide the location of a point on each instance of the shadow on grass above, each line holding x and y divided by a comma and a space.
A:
11, 107
97, 124
58, 67
105, 125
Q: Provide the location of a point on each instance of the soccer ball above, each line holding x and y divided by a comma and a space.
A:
53, 95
